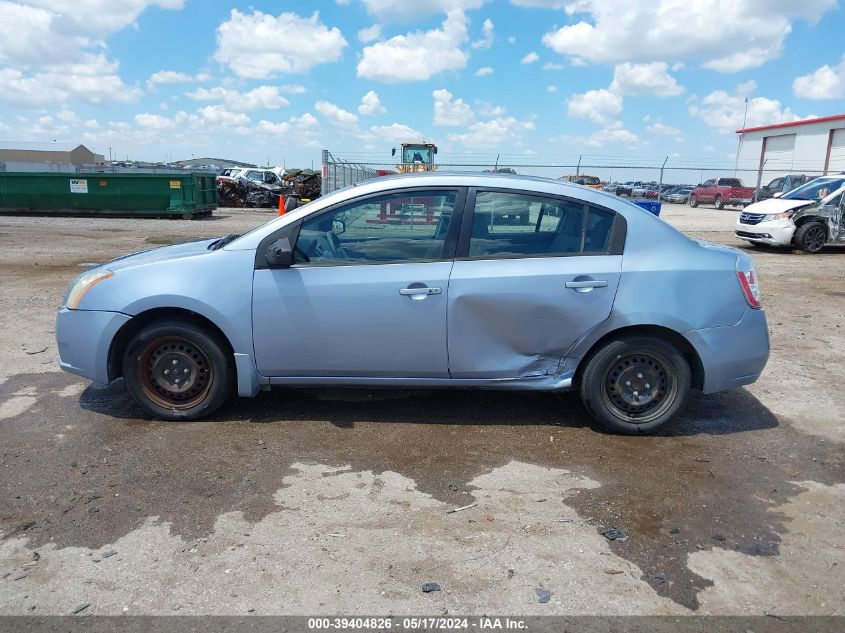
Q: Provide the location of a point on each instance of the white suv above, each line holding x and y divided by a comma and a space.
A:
772, 222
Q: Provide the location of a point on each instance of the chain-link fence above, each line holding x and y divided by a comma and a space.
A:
668, 182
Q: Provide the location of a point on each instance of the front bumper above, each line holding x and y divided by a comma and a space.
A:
84, 338
734, 355
774, 232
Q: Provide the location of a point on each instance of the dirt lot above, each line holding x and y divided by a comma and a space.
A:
336, 501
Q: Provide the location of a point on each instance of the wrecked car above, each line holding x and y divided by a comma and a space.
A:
594, 294
808, 217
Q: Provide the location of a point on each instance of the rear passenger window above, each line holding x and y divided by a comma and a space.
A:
597, 233
510, 225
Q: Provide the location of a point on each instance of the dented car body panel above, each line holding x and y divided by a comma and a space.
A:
455, 315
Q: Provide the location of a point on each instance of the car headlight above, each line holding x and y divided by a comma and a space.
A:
777, 216
84, 284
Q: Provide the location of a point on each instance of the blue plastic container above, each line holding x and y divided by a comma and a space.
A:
652, 206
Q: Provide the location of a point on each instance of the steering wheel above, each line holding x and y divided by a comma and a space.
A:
334, 240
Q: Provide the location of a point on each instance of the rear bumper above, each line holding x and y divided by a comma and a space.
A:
735, 355
84, 338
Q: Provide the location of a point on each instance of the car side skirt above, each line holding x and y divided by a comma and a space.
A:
537, 383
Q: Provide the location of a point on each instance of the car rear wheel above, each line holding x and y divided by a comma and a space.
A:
811, 237
635, 384
693, 202
177, 370
719, 202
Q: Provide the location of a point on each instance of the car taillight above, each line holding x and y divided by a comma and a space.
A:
750, 289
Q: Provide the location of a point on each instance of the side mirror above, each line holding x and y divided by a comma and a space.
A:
435, 150
338, 227
393, 152
279, 254
777, 194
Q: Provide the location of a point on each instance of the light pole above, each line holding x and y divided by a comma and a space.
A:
739, 140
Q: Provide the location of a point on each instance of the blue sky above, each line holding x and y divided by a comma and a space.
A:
526, 79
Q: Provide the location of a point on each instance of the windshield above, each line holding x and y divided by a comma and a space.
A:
416, 155
815, 189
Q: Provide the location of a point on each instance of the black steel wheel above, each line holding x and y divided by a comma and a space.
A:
811, 237
635, 384
177, 370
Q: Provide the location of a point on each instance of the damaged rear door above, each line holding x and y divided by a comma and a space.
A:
520, 295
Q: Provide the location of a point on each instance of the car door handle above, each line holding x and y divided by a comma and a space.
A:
591, 283
424, 290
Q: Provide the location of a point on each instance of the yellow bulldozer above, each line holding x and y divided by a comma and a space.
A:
416, 157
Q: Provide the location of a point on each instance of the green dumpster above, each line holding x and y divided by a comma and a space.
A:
184, 195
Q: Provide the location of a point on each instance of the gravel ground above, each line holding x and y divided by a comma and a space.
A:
336, 501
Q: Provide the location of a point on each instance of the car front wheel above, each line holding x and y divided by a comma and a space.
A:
811, 237
693, 202
177, 370
635, 384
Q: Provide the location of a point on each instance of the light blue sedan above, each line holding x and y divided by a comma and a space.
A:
428, 280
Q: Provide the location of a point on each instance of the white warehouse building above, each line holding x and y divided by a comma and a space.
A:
811, 146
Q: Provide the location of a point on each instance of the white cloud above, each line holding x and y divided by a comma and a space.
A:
511, 39
258, 45
487, 37
451, 113
530, 58
614, 134
600, 105
417, 56
723, 36
218, 115
369, 33
292, 89
825, 82
92, 80
396, 132
485, 108
335, 115
302, 130
154, 121
541, 4
371, 104
644, 79
102, 16
261, 98
492, 133
175, 77
724, 111
484, 71
662, 129
552, 66
552, 89
391, 10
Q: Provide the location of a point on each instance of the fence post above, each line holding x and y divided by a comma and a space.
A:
324, 180
760, 172
660, 184
578, 167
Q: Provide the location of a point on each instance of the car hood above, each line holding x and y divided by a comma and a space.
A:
160, 254
776, 205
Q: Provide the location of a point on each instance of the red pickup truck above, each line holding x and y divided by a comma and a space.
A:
721, 192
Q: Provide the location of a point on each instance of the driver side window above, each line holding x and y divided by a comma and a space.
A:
399, 227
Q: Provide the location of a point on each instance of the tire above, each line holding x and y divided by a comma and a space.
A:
624, 366
191, 350
718, 202
291, 203
811, 237
693, 202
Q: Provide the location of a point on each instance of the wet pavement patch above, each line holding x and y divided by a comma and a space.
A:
721, 469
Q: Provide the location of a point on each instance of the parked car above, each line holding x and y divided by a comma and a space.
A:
611, 187
721, 192
679, 195
807, 217
260, 176
597, 296
628, 188
779, 186
593, 182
